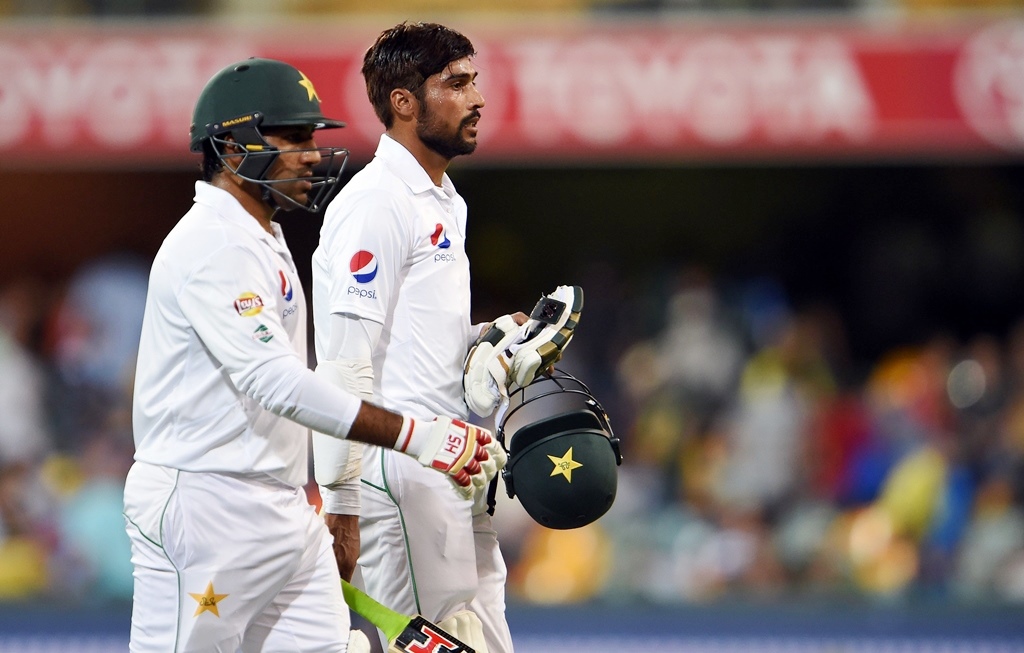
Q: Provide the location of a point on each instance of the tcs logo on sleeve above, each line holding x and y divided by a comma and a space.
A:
363, 266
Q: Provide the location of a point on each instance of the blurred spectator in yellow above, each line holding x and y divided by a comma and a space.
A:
25, 543
559, 567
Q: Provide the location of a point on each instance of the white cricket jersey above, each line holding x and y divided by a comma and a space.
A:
222, 370
392, 250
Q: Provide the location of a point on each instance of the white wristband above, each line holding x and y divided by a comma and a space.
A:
342, 499
420, 437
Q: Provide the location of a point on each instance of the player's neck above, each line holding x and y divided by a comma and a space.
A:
250, 196
432, 163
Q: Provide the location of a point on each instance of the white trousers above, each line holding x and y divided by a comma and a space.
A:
226, 563
423, 552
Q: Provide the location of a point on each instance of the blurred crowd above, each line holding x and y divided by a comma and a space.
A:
67, 358
761, 459
763, 462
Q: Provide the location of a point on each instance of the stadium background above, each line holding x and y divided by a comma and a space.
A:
800, 228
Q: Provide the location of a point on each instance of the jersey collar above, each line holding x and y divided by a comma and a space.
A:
408, 169
227, 207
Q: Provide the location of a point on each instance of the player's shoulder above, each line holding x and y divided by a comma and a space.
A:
198, 229
370, 191
376, 176
200, 236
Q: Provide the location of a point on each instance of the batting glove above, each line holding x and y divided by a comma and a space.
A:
467, 628
545, 335
485, 376
468, 454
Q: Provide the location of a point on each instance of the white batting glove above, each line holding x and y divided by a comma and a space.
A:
467, 628
468, 454
485, 376
543, 339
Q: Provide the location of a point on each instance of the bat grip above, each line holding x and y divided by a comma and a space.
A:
492, 493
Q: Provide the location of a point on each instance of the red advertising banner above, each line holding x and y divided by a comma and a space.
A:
579, 92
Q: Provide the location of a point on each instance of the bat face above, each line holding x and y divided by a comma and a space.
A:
422, 636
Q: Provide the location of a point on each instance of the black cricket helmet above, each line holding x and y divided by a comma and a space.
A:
250, 96
562, 452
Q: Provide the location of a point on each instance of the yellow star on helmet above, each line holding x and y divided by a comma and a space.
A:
207, 601
308, 85
564, 465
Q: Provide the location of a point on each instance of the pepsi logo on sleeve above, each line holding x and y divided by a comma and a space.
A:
363, 266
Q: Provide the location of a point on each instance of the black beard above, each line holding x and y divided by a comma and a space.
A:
447, 145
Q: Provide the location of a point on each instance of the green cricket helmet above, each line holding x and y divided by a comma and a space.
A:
249, 96
562, 452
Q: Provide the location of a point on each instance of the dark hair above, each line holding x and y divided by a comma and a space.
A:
211, 163
404, 57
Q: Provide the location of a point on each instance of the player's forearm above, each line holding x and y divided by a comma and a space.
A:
292, 391
330, 410
287, 388
345, 533
375, 425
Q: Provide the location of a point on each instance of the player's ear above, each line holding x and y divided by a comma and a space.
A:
231, 147
404, 104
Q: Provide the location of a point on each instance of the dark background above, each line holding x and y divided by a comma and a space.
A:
901, 252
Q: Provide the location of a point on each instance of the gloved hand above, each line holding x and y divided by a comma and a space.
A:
468, 454
543, 339
485, 376
507, 356
467, 628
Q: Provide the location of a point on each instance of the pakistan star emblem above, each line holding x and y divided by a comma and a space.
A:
564, 465
207, 601
308, 85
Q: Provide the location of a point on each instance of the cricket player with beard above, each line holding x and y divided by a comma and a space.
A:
391, 304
